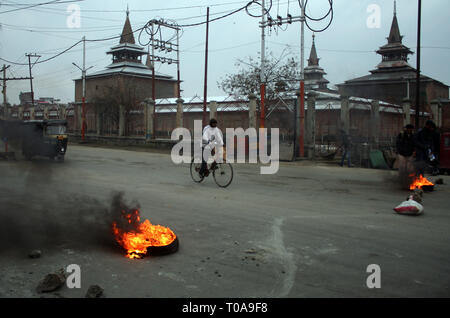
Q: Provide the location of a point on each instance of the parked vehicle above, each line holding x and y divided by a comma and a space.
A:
46, 138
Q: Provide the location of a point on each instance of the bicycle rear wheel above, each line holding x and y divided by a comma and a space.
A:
195, 171
223, 174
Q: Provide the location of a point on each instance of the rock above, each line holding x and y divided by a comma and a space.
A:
417, 195
419, 192
94, 291
35, 254
50, 283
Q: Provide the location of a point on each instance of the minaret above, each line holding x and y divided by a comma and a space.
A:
313, 72
313, 59
394, 53
127, 50
127, 32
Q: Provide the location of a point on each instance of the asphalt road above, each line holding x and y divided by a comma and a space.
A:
311, 230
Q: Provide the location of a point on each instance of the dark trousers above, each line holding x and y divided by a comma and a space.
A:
348, 155
204, 167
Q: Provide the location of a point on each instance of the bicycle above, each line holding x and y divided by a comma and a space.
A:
222, 172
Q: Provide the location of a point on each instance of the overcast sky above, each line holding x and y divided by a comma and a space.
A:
346, 49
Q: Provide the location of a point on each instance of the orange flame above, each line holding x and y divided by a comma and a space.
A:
146, 235
419, 182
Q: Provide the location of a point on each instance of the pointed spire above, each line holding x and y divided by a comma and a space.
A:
127, 32
394, 34
313, 59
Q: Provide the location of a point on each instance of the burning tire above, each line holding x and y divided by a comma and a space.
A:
142, 238
163, 250
423, 183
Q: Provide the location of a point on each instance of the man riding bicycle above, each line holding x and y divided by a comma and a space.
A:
212, 138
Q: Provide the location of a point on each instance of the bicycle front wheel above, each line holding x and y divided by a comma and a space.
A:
195, 171
223, 174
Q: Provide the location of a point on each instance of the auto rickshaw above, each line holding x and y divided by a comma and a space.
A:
46, 138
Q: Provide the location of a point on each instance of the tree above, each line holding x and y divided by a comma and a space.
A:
122, 97
281, 74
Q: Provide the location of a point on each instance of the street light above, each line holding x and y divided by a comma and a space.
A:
83, 99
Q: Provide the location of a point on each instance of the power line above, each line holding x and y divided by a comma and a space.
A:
329, 13
146, 27
49, 29
220, 49
58, 12
46, 60
38, 4
246, 8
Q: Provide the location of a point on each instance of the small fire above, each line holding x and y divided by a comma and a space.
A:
139, 236
419, 182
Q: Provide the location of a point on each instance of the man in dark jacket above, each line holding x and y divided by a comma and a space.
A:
405, 142
405, 150
425, 144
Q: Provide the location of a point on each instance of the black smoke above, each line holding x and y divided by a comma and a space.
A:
37, 219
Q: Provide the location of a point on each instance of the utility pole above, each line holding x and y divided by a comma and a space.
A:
4, 83
83, 98
301, 128
5, 79
263, 57
153, 84
300, 114
31, 77
167, 47
178, 65
205, 91
418, 66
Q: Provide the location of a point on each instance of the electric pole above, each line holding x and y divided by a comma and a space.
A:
263, 57
4, 83
417, 123
301, 130
31, 77
167, 47
5, 79
83, 98
205, 89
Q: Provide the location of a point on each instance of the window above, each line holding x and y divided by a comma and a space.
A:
56, 130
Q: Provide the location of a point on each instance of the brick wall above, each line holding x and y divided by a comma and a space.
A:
99, 87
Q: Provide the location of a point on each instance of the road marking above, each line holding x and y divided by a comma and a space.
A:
285, 257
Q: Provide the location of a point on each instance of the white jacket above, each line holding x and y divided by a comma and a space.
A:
212, 136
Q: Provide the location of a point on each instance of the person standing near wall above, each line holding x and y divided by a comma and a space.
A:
346, 145
405, 147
